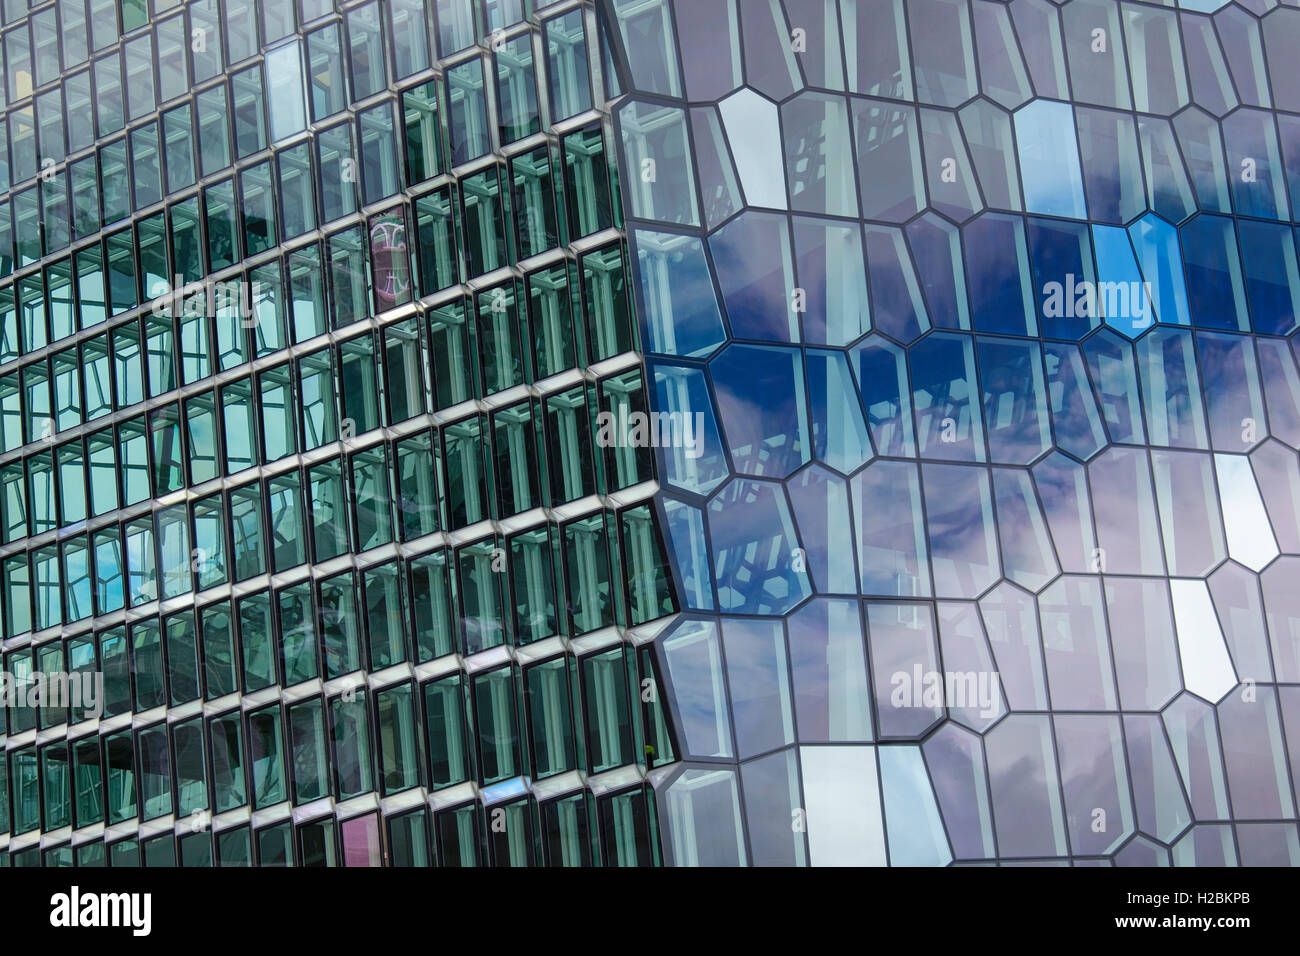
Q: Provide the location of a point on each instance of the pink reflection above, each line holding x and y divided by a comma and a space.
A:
361, 841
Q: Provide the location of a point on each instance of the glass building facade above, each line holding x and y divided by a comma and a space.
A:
308, 310
634, 432
990, 550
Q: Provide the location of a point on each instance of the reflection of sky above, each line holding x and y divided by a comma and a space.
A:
1250, 538
1116, 264
1207, 668
1049, 160
843, 804
916, 835
754, 129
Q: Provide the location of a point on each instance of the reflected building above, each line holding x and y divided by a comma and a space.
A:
649, 432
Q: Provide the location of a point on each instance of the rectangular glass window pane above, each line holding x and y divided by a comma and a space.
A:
297, 195
191, 767
398, 757
444, 711
257, 639
325, 68
285, 90
350, 730
310, 760
297, 633
566, 53
227, 762
220, 676
155, 773
516, 89
266, 750
249, 110
467, 116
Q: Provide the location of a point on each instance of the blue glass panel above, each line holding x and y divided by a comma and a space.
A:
833, 276
892, 558
1255, 165
1124, 510
1201, 144
821, 507
959, 519
966, 651
1156, 244
819, 155
1027, 556
954, 191
1168, 187
1094, 777
1232, 391
753, 550
1049, 160
759, 680
1015, 400
1289, 132
1171, 389
1076, 647
916, 834
756, 273
648, 35
685, 533
1074, 409
1025, 787
1239, 38
678, 306
936, 247
1063, 489
829, 669
881, 368
1120, 297
891, 177
1112, 165
1062, 258
760, 392
1272, 276
944, 396
895, 293
680, 390
717, 174
997, 268
1214, 285
839, 431
693, 660
903, 651
657, 149
1281, 389
956, 758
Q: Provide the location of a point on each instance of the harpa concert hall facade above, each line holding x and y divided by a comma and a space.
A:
649, 432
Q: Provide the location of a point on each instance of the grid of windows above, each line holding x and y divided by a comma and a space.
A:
988, 311
308, 315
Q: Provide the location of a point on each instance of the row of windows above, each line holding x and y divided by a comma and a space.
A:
541, 199
537, 452
268, 101
496, 217
1143, 57
69, 31
957, 397
610, 569
545, 719
517, 333
573, 830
